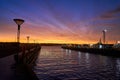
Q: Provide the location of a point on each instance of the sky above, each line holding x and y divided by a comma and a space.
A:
60, 21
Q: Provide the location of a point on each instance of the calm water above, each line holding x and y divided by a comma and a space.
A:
55, 63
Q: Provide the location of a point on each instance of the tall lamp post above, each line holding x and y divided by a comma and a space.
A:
18, 22
104, 36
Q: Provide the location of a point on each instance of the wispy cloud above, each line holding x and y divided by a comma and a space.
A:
112, 14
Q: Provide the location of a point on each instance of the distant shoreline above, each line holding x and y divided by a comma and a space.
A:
106, 52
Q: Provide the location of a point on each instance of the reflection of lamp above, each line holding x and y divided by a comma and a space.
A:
18, 22
104, 36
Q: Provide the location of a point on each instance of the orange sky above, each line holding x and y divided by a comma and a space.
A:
48, 36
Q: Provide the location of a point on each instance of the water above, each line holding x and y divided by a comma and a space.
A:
55, 63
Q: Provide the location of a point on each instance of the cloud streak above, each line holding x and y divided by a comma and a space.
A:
113, 14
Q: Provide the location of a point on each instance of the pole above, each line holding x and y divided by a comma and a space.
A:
18, 22
103, 37
18, 41
28, 39
18, 34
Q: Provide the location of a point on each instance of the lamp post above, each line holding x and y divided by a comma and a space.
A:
28, 39
18, 22
104, 36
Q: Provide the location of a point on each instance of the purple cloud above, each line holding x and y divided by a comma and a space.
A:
113, 14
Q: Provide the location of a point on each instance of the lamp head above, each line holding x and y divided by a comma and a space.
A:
105, 30
18, 21
28, 36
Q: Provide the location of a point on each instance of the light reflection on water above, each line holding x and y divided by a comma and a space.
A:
55, 63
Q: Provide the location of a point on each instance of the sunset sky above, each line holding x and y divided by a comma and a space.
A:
60, 21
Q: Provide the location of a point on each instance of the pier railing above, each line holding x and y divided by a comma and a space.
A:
27, 53
24, 52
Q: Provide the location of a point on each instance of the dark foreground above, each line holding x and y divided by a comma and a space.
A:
18, 68
9, 70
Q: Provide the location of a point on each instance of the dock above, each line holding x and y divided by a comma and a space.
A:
106, 52
10, 69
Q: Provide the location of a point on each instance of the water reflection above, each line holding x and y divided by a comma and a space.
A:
69, 51
87, 57
55, 63
79, 54
118, 67
79, 57
87, 60
66, 50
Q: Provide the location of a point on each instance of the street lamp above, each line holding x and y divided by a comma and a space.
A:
28, 39
18, 22
104, 36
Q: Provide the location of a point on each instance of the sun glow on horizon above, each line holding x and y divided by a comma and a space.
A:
53, 41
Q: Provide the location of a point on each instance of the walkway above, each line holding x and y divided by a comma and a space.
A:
10, 71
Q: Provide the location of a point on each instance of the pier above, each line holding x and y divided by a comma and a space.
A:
103, 51
17, 61
108, 51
